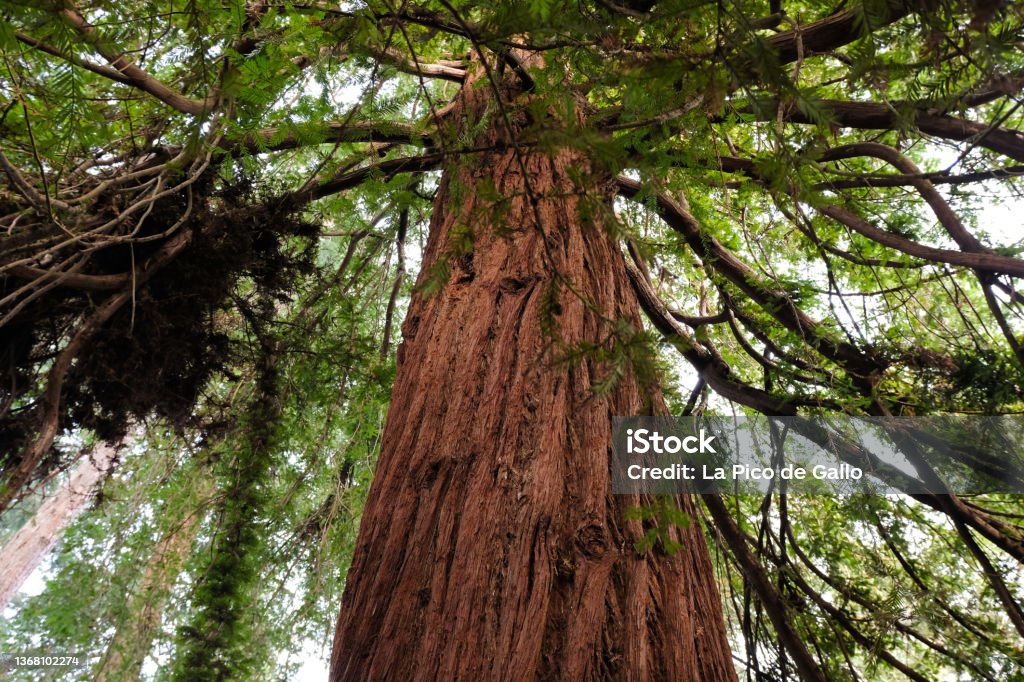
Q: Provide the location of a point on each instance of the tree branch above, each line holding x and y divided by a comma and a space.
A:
776, 302
32, 454
712, 369
877, 116
986, 262
384, 169
70, 279
263, 140
436, 70
130, 72
842, 28
755, 576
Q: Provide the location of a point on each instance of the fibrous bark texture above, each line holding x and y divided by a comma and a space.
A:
491, 547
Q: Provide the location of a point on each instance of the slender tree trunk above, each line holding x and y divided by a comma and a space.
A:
133, 640
491, 547
27, 547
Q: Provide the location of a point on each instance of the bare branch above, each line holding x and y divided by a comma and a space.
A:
418, 68
71, 279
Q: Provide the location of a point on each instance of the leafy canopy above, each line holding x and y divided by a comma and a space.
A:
210, 212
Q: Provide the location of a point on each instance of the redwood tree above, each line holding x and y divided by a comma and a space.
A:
492, 546
207, 217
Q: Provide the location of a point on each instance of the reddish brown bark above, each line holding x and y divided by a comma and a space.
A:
491, 547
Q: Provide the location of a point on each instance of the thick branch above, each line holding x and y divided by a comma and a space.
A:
414, 66
744, 166
272, 139
383, 170
986, 262
842, 28
876, 116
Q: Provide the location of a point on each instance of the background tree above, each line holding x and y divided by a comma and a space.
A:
208, 217
27, 548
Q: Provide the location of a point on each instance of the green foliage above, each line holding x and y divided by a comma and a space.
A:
271, 103
659, 519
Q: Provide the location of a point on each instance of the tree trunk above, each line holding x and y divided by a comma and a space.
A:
491, 546
133, 640
27, 547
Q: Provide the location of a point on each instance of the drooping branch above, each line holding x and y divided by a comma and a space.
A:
776, 302
720, 259
916, 577
851, 592
769, 596
841, 617
975, 254
1011, 606
712, 368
